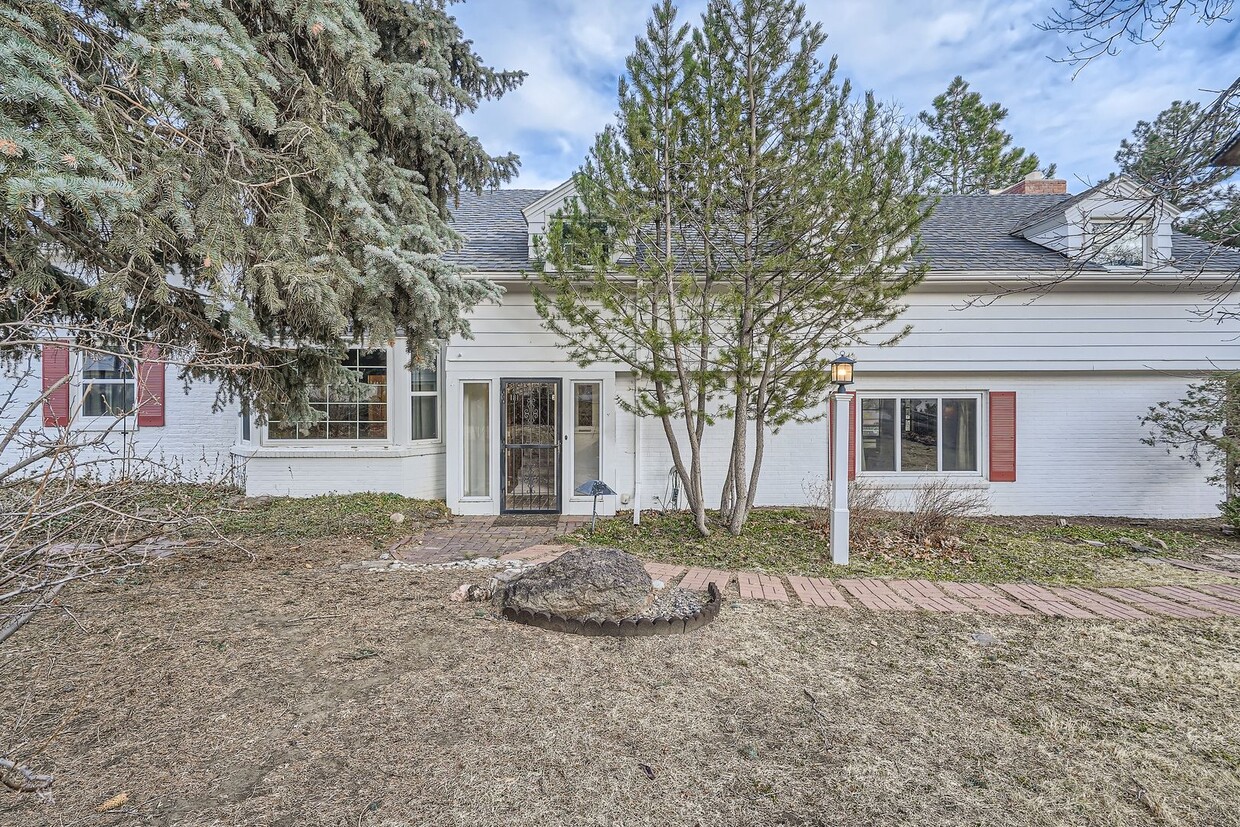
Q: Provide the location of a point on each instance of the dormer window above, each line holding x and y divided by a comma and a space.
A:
1121, 242
581, 238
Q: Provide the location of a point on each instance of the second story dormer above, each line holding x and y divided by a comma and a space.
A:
1116, 225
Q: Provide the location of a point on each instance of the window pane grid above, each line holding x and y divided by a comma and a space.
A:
919, 434
109, 386
424, 404
349, 414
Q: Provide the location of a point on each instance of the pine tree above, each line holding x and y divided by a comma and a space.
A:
965, 151
1171, 155
759, 218
260, 181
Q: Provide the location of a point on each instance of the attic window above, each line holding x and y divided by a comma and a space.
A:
1120, 242
581, 237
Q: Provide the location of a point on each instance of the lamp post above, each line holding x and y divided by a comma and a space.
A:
841, 377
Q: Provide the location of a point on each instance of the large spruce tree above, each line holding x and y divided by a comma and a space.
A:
746, 217
964, 150
255, 181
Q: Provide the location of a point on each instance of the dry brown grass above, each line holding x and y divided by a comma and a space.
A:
205, 691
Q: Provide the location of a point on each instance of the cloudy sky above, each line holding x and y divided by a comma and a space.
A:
574, 51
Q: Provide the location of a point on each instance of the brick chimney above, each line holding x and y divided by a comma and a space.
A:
1035, 184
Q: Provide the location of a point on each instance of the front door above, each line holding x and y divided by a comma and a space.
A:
530, 458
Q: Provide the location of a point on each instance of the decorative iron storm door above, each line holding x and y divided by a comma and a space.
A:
530, 459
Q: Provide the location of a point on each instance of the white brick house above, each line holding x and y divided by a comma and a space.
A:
1032, 395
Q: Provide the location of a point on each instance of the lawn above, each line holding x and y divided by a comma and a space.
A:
787, 540
265, 519
213, 688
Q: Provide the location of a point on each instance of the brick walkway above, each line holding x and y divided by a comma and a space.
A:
470, 537
467, 537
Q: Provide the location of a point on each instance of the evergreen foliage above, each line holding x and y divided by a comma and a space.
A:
759, 215
1171, 155
257, 180
1203, 428
964, 151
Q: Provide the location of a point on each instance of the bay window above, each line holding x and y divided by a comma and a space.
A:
920, 433
424, 404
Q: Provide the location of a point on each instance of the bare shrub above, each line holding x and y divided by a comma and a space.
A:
869, 506
938, 505
78, 502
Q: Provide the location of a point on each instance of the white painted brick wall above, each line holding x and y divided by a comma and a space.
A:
195, 437
306, 476
1078, 449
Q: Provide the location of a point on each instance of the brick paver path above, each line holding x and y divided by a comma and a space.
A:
818, 591
923, 595
1042, 599
664, 571
471, 537
1198, 600
1099, 604
1154, 604
1221, 590
984, 599
540, 553
697, 579
875, 594
467, 537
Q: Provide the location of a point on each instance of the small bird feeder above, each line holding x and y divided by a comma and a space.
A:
595, 489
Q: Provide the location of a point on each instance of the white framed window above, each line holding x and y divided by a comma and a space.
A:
109, 386
347, 415
476, 439
587, 414
424, 404
1120, 242
920, 433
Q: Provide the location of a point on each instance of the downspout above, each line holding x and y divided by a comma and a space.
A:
637, 460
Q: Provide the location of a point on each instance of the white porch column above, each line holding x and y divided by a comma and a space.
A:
839, 477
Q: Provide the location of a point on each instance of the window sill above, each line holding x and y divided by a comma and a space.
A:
913, 482
100, 424
337, 451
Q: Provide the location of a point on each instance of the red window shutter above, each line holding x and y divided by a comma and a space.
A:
55, 363
150, 389
1002, 436
852, 438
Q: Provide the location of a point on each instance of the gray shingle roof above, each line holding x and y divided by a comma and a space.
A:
965, 233
973, 232
496, 238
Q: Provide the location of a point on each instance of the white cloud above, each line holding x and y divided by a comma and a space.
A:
575, 49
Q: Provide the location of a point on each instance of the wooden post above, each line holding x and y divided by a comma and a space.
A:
839, 478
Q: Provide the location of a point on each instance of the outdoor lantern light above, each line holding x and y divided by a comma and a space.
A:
842, 371
595, 489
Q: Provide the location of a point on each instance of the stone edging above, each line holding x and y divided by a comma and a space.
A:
628, 627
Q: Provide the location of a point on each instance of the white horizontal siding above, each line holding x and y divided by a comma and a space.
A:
1120, 329
1077, 330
